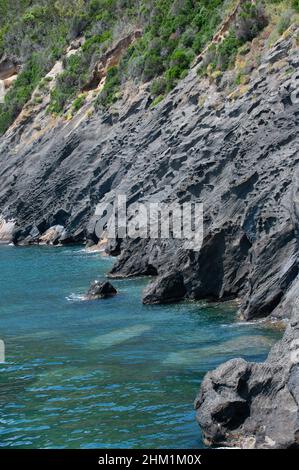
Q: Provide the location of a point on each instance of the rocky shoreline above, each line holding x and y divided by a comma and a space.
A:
251, 405
240, 158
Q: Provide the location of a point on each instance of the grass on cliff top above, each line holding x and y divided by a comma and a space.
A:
174, 31
252, 19
230, 65
37, 32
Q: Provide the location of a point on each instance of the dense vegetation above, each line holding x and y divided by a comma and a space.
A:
174, 31
37, 32
251, 19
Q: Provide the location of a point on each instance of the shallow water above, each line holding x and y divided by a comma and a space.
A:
105, 374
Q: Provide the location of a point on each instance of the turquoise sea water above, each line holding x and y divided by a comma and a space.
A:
110, 373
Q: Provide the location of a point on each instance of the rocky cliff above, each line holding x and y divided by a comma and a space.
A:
236, 154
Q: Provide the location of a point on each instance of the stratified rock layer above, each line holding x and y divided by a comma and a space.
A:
239, 157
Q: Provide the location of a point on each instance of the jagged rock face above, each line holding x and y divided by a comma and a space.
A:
253, 405
6, 230
168, 289
239, 157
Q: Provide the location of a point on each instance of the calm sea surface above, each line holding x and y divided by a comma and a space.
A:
110, 373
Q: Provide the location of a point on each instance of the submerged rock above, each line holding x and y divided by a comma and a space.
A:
117, 337
100, 290
245, 345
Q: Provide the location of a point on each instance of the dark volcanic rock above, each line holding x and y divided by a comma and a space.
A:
239, 157
167, 289
100, 290
253, 405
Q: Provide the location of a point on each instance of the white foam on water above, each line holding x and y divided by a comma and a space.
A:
261, 321
75, 297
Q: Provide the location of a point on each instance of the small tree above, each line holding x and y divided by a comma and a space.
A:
251, 19
295, 5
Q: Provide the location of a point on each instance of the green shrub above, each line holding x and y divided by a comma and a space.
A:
295, 5
110, 90
78, 102
153, 66
284, 21
69, 83
34, 14
251, 20
96, 40
157, 100
181, 59
227, 51
173, 32
36, 33
21, 91
159, 86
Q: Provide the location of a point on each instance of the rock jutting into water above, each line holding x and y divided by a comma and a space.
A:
253, 405
166, 290
100, 290
237, 154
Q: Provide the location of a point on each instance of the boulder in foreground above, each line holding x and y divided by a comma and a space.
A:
255, 405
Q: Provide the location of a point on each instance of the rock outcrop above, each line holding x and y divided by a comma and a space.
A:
100, 290
167, 289
251, 405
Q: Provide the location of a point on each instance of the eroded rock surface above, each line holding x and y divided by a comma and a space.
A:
237, 155
253, 405
6, 230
